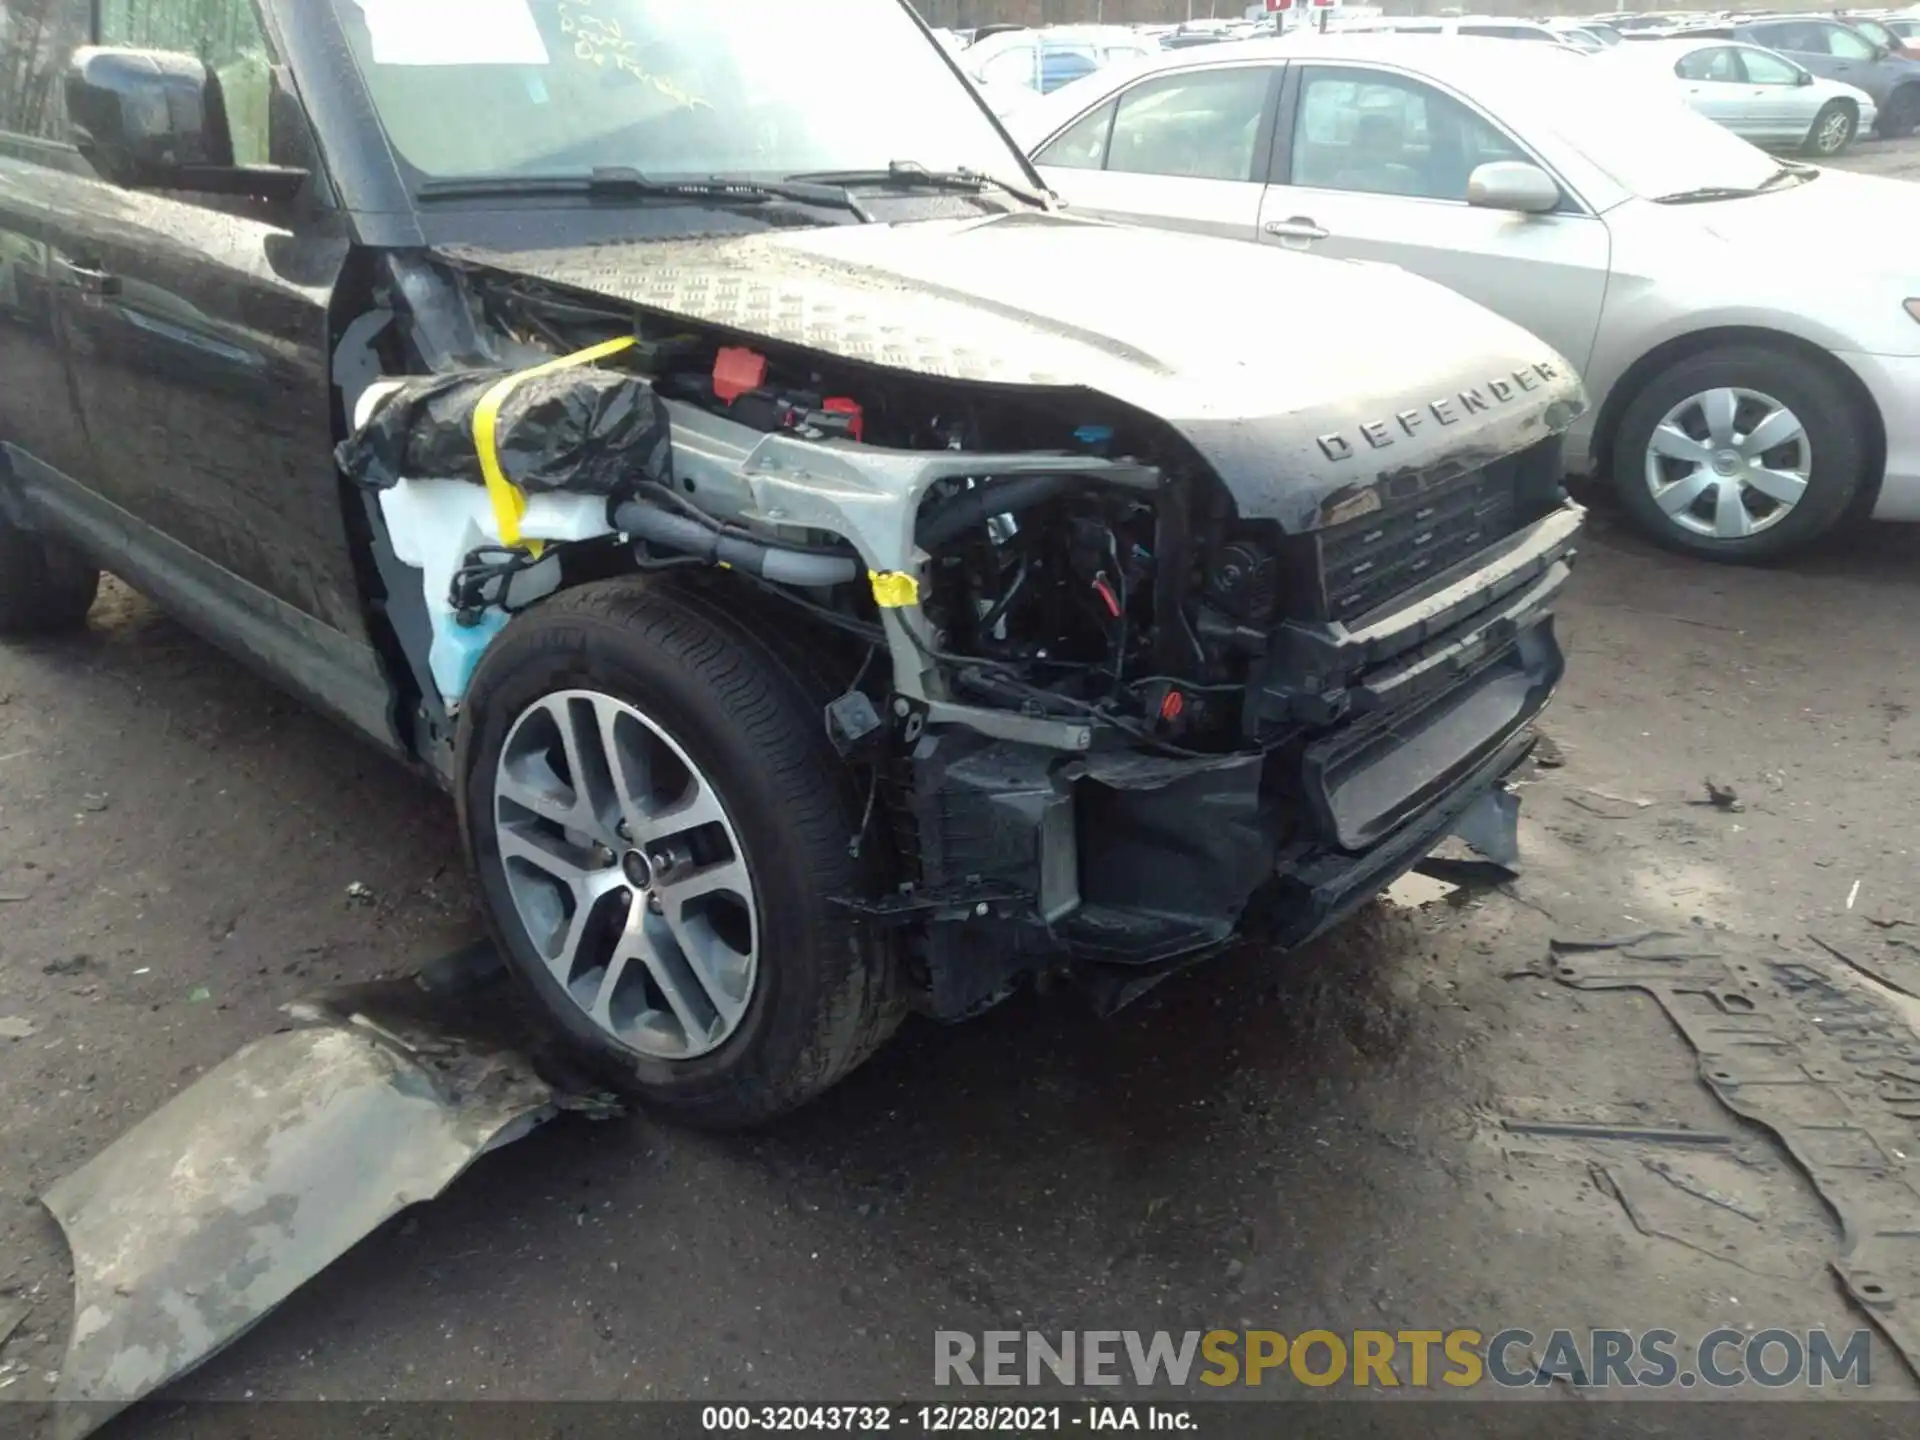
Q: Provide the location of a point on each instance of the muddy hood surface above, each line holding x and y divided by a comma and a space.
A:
1299, 379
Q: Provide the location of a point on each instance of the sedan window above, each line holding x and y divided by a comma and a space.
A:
1720, 63
1846, 44
1083, 144
1057, 67
1204, 124
1389, 135
1791, 36
1764, 68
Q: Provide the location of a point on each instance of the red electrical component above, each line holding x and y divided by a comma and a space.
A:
1107, 597
1173, 706
736, 370
856, 417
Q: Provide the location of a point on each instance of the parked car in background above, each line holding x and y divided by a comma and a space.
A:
1485, 27
1907, 27
1746, 402
1044, 60
1759, 95
1881, 33
1600, 30
1837, 51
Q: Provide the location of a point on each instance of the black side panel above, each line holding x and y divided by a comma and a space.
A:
335, 674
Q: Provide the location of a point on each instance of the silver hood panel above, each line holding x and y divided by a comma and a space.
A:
1302, 381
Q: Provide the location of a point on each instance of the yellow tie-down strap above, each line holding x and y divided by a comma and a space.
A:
509, 503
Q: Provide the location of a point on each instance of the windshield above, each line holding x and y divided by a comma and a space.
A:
1633, 125
670, 88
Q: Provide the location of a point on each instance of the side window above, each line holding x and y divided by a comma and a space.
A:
1763, 68
1389, 135
1719, 63
1083, 144
1506, 32
1805, 38
226, 36
1204, 124
1846, 44
1057, 67
37, 38
1010, 67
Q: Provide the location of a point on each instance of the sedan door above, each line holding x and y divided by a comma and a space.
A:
1180, 150
1715, 84
1373, 165
1787, 105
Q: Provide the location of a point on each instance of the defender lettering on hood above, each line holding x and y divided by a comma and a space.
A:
1448, 410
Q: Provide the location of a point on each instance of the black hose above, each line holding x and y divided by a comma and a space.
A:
951, 519
705, 540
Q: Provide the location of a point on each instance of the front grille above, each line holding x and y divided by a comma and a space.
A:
1364, 563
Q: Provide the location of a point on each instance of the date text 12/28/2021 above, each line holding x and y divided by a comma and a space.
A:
946, 1419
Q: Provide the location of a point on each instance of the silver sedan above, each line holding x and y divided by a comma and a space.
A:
1749, 397
1757, 93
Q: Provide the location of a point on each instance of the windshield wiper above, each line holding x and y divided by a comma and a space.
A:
1786, 172
620, 182
912, 175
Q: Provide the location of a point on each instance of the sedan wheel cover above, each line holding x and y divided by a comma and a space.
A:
1834, 132
1728, 463
626, 874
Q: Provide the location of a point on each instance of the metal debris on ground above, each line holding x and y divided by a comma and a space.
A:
1831, 1070
359, 894
277, 1162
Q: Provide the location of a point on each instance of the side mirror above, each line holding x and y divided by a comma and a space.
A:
1513, 185
1803, 77
154, 119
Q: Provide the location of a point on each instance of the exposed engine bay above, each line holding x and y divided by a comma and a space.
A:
1109, 713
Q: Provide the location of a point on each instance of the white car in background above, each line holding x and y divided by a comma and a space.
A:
1748, 328
1044, 60
1758, 93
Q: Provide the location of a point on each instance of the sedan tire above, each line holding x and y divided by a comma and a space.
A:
660, 831
1739, 454
1832, 130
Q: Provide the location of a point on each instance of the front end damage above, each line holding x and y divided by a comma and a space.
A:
1147, 657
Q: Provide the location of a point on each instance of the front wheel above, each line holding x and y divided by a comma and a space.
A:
1832, 130
658, 826
1739, 454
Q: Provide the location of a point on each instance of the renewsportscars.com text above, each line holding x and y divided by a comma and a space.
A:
1458, 1358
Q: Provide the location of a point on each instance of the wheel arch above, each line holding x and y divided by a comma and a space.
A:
1641, 372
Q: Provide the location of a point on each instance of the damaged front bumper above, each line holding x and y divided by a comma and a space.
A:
1395, 730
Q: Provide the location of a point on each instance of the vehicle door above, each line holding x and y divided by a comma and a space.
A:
1716, 86
1857, 60
1180, 150
198, 329
43, 181
1799, 40
1787, 105
1372, 164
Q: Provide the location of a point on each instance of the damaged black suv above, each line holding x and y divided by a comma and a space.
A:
831, 581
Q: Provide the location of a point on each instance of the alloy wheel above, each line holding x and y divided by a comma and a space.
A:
627, 874
1834, 132
1728, 463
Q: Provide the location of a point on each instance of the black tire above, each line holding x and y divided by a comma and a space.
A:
827, 993
1826, 137
45, 584
1900, 116
1825, 410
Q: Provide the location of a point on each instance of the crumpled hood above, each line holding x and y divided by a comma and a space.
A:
1299, 379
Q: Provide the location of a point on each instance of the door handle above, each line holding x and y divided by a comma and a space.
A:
89, 280
1300, 227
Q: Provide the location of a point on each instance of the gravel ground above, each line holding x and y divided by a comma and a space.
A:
1315, 1141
